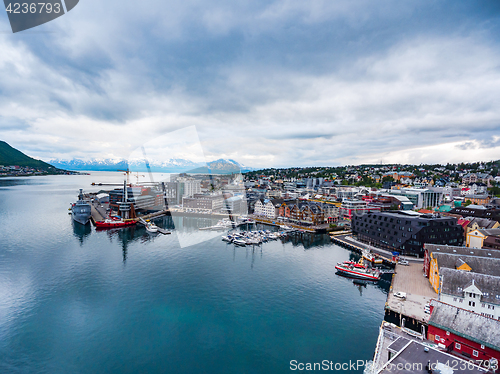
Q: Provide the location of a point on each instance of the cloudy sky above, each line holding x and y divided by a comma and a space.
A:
267, 83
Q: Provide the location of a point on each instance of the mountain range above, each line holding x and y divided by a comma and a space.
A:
220, 166
11, 156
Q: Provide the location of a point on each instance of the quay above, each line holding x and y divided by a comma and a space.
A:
346, 241
267, 221
409, 313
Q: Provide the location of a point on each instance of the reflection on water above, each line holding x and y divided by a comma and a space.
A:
81, 231
21, 181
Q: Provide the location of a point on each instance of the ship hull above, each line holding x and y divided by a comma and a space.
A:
357, 274
81, 213
111, 225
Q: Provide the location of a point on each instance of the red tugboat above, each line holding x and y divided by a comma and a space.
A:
354, 270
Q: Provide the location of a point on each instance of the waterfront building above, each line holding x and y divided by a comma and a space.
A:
439, 260
478, 293
266, 208
430, 249
464, 333
406, 231
411, 356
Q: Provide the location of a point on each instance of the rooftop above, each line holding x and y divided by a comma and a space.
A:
452, 249
414, 357
469, 325
482, 265
454, 282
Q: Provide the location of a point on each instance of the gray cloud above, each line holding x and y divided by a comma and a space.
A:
265, 83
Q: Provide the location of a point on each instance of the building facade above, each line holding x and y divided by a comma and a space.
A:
406, 231
464, 333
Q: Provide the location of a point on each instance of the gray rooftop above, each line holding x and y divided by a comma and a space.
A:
490, 232
466, 324
398, 344
413, 358
482, 265
481, 222
455, 281
441, 248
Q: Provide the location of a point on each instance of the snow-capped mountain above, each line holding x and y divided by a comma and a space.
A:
220, 166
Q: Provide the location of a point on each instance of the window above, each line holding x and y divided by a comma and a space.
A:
458, 346
475, 353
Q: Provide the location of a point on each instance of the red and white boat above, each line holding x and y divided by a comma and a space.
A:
354, 270
111, 223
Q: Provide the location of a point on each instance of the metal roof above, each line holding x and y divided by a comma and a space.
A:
469, 325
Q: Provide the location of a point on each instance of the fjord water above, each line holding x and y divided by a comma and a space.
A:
74, 300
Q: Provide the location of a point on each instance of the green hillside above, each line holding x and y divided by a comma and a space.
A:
11, 156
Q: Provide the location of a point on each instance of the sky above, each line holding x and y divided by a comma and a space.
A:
266, 83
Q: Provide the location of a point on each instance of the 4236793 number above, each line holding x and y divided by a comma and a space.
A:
18, 8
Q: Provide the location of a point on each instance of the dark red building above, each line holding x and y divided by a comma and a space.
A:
465, 334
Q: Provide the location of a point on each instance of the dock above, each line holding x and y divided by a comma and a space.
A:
98, 213
410, 311
278, 224
346, 241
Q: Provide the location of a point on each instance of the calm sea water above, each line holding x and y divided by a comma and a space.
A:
73, 300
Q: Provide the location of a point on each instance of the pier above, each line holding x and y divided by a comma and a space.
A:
346, 241
278, 224
409, 312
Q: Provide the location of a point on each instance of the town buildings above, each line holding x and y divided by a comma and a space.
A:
484, 238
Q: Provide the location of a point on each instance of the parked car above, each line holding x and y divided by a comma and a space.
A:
400, 295
403, 262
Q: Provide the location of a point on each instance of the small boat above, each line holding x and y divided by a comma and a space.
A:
227, 238
240, 242
151, 227
373, 258
111, 223
353, 270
